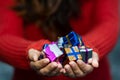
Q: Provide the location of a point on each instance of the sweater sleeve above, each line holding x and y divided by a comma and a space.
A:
12, 44
103, 36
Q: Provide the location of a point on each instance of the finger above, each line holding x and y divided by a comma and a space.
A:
69, 71
34, 54
49, 68
86, 68
90, 61
39, 64
63, 71
76, 69
56, 72
95, 59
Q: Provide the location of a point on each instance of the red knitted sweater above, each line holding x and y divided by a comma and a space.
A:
98, 27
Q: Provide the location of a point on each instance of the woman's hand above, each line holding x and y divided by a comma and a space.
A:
43, 66
79, 68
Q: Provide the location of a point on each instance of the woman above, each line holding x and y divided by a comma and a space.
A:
31, 24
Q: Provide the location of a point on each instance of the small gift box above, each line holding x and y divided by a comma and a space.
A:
52, 52
86, 53
73, 39
60, 43
67, 48
71, 54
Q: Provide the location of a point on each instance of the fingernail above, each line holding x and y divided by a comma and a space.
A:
95, 64
54, 64
90, 61
46, 60
35, 58
79, 61
72, 63
62, 71
66, 66
59, 66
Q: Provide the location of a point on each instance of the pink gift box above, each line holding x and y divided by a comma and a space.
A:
52, 52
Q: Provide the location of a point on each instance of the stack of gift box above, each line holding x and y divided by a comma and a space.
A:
68, 48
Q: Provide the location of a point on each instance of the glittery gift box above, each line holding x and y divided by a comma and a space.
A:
72, 39
52, 52
71, 54
86, 53
68, 48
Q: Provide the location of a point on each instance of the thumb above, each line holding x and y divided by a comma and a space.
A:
33, 54
95, 59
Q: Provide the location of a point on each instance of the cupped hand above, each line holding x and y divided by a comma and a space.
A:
43, 66
79, 68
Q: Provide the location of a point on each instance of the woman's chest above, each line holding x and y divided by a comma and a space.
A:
32, 32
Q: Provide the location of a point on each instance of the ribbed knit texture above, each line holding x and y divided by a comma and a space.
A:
98, 27
13, 47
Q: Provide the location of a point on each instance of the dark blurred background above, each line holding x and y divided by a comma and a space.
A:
6, 71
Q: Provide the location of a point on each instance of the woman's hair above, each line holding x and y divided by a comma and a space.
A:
51, 12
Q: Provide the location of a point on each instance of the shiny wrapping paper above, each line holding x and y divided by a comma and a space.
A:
73, 53
68, 48
70, 54
86, 54
52, 52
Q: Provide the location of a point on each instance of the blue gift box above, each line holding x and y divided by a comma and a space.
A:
72, 39
72, 53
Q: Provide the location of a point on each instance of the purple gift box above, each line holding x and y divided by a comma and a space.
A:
52, 52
